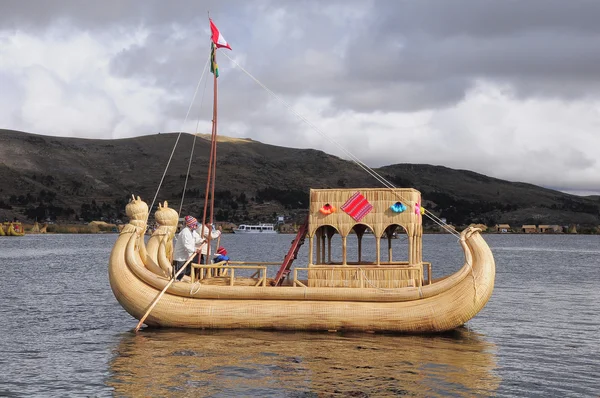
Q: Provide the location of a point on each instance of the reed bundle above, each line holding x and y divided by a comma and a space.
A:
359, 277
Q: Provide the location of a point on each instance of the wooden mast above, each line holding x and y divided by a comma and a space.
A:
212, 162
214, 152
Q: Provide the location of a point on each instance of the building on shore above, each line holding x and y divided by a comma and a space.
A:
550, 229
541, 229
502, 228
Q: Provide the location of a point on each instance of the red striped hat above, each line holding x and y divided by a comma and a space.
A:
222, 251
191, 222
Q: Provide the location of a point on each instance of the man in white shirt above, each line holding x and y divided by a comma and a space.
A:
188, 243
214, 234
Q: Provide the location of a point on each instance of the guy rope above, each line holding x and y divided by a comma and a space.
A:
355, 159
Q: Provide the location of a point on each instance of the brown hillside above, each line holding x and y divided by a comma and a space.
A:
70, 178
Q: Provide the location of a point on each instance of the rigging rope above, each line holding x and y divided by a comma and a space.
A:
177, 140
355, 159
193, 144
187, 175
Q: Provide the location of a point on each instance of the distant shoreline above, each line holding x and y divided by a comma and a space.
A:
114, 229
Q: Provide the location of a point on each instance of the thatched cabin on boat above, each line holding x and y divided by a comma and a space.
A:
529, 229
349, 213
380, 218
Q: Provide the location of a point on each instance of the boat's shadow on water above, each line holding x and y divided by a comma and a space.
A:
264, 363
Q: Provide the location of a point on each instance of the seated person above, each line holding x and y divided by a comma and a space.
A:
221, 255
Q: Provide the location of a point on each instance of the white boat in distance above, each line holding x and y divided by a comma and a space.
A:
255, 229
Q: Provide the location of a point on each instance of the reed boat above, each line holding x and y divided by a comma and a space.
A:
391, 296
37, 229
14, 228
325, 293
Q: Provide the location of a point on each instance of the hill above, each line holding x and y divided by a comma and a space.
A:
72, 178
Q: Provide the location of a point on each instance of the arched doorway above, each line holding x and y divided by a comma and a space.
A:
322, 249
364, 236
397, 238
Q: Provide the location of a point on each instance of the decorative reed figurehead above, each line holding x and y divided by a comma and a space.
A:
137, 211
167, 219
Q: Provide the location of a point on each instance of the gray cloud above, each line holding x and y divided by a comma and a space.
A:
374, 69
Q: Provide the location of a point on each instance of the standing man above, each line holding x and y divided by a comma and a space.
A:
214, 234
188, 242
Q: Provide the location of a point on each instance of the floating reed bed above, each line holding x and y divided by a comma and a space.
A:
78, 229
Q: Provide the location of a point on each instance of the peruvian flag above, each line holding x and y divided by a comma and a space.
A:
217, 37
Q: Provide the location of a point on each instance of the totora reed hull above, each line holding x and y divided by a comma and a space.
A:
443, 305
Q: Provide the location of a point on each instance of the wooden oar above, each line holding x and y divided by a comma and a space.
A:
141, 322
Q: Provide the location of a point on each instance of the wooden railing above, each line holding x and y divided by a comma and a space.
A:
428, 265
228, 268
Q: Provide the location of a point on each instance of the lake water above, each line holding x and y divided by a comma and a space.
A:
62, 333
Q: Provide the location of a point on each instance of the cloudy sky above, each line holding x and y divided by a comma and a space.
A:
510, 89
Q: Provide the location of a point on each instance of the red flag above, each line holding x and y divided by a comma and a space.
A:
217, 37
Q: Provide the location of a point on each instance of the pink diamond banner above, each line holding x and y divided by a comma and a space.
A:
357, 206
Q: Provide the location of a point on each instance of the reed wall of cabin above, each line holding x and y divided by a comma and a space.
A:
379, 220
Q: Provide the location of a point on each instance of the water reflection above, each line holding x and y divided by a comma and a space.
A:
259, 363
